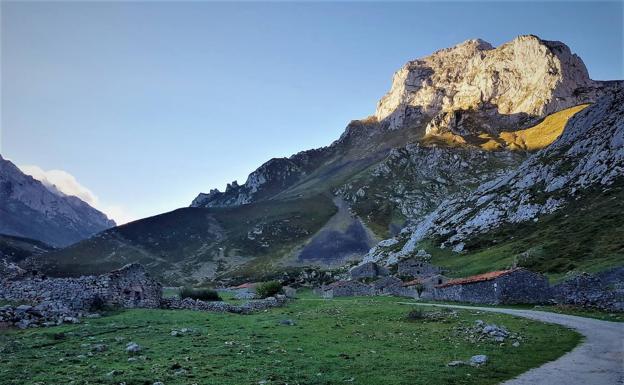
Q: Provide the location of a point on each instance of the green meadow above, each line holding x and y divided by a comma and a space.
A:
341, 341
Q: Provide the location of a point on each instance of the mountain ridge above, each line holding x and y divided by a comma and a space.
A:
391, 171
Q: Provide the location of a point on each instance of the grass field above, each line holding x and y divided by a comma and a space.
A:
342, 341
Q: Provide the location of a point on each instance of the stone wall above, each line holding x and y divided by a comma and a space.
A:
603, 291
416, 267
393, 286
223, 307
523, 286
368, 270
477, 292
129, 287
346, 289
519, 286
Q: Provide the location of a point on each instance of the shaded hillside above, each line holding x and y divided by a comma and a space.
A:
192, 244
18, 249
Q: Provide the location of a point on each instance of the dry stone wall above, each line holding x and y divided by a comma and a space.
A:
129, 287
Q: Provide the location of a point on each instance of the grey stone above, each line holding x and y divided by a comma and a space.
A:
478, 360
133, 347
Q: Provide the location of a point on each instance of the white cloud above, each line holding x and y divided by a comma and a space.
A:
65, 183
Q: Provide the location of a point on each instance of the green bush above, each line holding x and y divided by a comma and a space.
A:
268, 289
201, 294
416, 315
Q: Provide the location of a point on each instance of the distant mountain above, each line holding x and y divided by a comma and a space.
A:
451, 122
31, 210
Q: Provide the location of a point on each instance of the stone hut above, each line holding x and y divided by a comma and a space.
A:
368, 270
417, 267
513, 286
129, 287
346, 289
391, 286
425, 287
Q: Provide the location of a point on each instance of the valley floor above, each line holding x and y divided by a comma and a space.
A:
342, 341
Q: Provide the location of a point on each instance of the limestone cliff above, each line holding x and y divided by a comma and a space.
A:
512, 85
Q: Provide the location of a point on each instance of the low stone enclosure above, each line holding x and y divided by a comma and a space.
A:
52, 301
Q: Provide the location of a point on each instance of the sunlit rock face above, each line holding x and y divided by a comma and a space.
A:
524, 79
589, 154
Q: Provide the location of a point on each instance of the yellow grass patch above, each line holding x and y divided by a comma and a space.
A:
533, 138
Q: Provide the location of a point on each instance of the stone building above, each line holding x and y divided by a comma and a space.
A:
417, 267
346, 289
604, 290
368, 270
128, 287
425, 287
392, 286
513, 286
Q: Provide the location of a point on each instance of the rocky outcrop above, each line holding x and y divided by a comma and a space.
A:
590, 153
509, 86
30, 209
413, 180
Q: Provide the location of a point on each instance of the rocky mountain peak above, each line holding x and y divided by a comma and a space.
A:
521, 81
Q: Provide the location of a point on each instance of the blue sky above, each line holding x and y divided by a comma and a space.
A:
148, 103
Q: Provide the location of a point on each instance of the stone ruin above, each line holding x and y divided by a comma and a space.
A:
51, 301
128, 287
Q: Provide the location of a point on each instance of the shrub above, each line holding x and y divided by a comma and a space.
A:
416, 315
200, 294
268, 289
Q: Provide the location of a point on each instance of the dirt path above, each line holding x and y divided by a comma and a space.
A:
598, 360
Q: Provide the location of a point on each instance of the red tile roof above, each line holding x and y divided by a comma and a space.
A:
478, 278
413, 282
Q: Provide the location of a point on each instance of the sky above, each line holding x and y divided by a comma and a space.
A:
139, 106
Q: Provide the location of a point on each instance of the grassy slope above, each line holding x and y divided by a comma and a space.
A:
530, 139
359, 341
193, 235
587, 235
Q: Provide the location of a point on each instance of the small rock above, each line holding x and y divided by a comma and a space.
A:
287, 322
478, 360
180, 372
133, 347
515, 344
99, 348
455, 363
